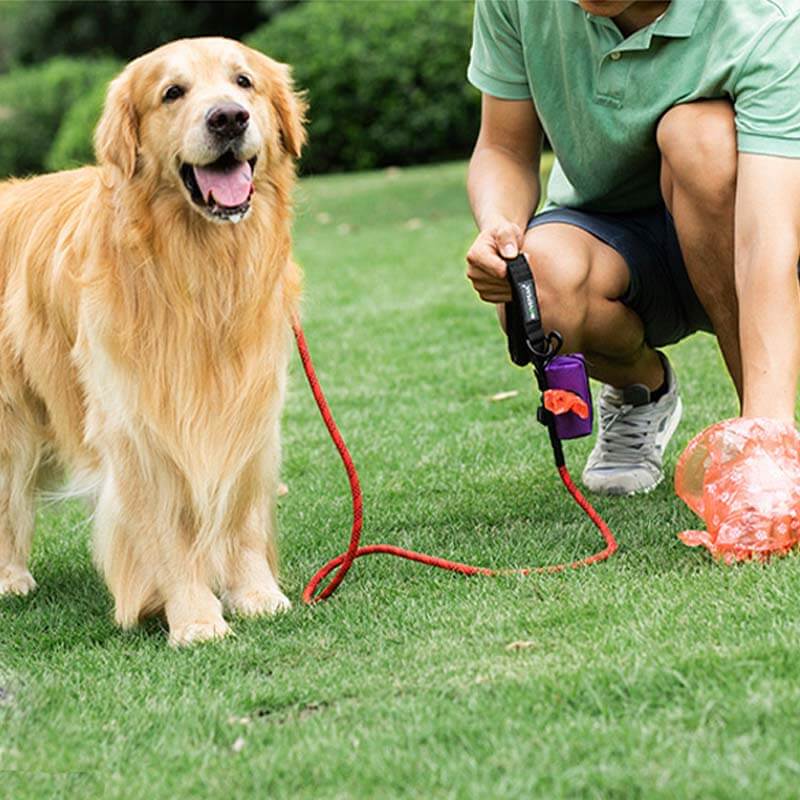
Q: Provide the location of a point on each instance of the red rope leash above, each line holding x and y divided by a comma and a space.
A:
346, 559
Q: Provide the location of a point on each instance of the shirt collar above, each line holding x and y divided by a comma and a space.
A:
678, 21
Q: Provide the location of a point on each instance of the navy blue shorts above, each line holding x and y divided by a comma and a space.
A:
659, 291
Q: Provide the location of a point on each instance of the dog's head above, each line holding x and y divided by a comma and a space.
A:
203, 117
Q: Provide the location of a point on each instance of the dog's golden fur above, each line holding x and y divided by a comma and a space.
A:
145, 345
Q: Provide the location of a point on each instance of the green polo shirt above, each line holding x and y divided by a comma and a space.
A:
600, 95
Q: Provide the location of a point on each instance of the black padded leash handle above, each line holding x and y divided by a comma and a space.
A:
527, 342
523, 318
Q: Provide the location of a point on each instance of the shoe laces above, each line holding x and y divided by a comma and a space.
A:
626, 431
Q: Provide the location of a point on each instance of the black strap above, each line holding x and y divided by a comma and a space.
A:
523, 319
527, 343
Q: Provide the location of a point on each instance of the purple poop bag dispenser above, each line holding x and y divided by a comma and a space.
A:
569, 373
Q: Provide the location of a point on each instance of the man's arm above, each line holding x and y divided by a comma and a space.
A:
767, 252
503, 187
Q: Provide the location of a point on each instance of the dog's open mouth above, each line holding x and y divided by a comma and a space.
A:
223, 188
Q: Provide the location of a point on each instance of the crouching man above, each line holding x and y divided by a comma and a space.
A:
673, 206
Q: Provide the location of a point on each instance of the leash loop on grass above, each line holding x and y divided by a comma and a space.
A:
345, 560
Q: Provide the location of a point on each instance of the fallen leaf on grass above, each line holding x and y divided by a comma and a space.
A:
503, 396
520, 644
283, 490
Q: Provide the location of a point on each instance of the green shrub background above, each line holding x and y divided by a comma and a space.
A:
34, 101
385, 80
73, 144
33, 30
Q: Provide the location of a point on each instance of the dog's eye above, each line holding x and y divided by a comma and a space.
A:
173, 93
244, 82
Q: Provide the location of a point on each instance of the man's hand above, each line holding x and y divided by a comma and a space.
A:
487, 270
503, 186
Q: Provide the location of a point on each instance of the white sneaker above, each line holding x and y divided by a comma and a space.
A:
632, 437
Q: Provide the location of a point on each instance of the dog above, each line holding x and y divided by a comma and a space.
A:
145, 336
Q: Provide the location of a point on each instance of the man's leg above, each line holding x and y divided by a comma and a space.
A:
580, 280
698, 181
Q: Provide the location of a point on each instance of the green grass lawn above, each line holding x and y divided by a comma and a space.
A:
658, 674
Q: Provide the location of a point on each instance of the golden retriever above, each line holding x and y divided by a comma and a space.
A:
145, 333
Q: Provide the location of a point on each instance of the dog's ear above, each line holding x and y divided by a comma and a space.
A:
116, 138
290, 106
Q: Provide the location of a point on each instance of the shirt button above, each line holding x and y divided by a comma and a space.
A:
616, 56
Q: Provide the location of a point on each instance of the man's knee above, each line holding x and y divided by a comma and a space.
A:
563, 286
698, 147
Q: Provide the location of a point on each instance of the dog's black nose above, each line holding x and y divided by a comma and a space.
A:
228, 120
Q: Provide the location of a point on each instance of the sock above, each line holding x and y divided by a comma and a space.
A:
657, 394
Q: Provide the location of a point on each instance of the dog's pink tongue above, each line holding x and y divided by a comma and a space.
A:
230, 186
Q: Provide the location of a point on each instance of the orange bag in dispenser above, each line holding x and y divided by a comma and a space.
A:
559, 401
742, 476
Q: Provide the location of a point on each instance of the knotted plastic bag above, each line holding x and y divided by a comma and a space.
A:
742, 476
561, 401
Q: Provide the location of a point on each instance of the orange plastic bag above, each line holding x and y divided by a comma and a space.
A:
560, 401
742, 476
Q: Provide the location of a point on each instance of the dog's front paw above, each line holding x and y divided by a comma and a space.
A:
16, 580
257, 602
198, 631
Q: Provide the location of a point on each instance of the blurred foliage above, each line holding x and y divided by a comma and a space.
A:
73, 144
33, 101
31, 29
386, 80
